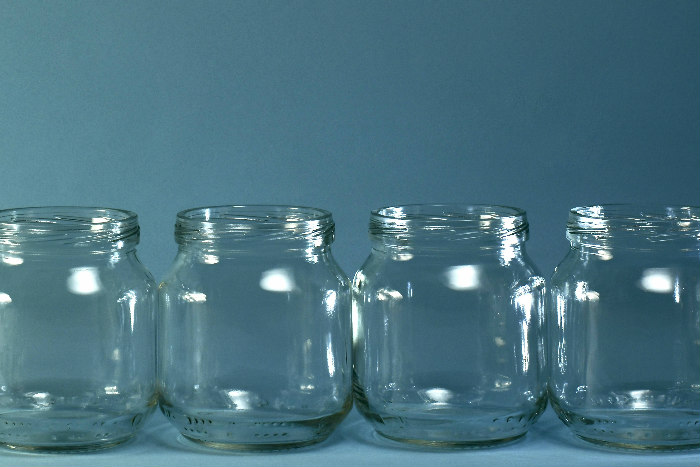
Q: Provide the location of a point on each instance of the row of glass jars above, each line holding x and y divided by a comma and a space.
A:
262, 341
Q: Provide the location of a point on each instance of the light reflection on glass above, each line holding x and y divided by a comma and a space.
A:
437, 396
277, 280
98, 223
582, 293
385, 294
241, 400
130, 299
84, 281
210, 259
12, 260
464, 277
657, 280
329, 355
329, 299
5, 299
193, 297
402, 256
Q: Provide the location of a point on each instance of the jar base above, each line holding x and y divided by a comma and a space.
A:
439, 444
64, 430
638, 429
252, 431
453, 427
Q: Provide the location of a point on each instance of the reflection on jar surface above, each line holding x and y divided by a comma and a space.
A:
77, 328
255, 333
447, 316
625, 327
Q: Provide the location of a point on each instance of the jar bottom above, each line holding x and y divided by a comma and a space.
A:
639, 429
254, 430
67, 430
454, 427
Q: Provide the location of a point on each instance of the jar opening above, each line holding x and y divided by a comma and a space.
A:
605, 222
447, 222
249, 222
68, 225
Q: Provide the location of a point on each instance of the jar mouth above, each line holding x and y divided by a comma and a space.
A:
458, 221
70, 225
611, 218
253, 222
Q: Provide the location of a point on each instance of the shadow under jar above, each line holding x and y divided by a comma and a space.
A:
625, 327
448, 313
77, 329
255, 333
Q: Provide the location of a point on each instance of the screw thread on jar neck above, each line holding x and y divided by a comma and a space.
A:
233, 227
55, 228
446, 226
635, 227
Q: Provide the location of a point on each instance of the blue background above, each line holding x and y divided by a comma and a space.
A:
160, 106
157, 106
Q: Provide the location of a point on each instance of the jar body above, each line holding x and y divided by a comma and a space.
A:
254, 343
625, 335
448, 342
77, 341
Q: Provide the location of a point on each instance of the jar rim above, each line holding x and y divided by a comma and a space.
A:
78, 225
447, 211
269, 214
604, 218
236, 222
447, 222
637, 212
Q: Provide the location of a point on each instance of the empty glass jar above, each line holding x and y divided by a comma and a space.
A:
77, 328
255, 332
625, 326
447, 312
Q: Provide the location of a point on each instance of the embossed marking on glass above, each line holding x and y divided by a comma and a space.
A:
255, 332
447, 316
77, 328
625, 327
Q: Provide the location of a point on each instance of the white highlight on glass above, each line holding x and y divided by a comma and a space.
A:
210, 259
384, 295
277, 280
84, 281
657, 280
582, 293
329, 300
194, 297
465, 277
12, 260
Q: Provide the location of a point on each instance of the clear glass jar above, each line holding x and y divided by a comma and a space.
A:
77, 328
255, 332
625, 326
447, 312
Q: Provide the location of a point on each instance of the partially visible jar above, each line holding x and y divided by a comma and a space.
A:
625, 327
255, 332
448, 314
77, 329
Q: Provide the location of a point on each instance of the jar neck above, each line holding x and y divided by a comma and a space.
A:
448, 228
601, 229
67, 230
222, 230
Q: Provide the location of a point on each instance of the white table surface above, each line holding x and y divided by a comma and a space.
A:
549, 443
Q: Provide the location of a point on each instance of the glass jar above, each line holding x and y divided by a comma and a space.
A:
77, 329
625, 327
447, 312
255, 332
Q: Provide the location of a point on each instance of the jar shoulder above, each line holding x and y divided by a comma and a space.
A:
457, 271
195, 270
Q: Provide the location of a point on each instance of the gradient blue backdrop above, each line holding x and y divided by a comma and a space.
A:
157, 106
